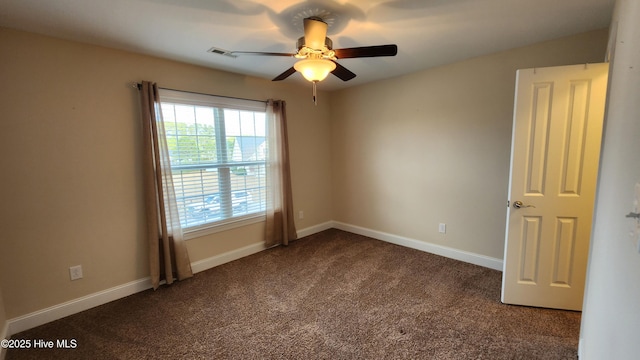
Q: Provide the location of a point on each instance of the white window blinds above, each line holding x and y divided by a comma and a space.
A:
217, 148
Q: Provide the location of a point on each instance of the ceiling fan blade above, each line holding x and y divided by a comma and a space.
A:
315, 31
343, 73
367, 51
285, 74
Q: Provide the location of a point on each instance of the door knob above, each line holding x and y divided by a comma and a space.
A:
519, 205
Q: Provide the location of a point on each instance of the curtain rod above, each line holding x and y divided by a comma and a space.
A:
137, 85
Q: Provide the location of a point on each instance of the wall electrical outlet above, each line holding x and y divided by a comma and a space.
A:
300, 214
442, 228
75, 272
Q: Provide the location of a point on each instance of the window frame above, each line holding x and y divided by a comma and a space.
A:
219, 102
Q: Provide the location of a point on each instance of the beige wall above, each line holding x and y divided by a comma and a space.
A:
434, 146
71, 173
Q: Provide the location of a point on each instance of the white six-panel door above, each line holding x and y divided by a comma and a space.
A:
554, 162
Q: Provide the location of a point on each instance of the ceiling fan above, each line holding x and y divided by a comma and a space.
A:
317, 56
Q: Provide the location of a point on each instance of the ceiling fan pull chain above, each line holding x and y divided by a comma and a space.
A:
315, 96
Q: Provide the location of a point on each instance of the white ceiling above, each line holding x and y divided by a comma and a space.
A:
428, 32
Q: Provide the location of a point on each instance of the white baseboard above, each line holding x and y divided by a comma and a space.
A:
315, 229
217, 260
59, 311
4, 334
472, 258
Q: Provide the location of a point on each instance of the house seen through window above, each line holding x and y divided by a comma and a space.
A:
217, 153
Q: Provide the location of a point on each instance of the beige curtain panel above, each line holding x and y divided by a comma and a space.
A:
280, 227
168, 257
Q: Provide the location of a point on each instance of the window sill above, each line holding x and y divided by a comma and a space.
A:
212, 228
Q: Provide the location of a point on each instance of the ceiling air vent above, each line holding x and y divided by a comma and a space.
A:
215, 50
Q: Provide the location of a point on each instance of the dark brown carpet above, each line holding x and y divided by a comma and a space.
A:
332, 295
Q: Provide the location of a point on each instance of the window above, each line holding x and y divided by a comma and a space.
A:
217, 148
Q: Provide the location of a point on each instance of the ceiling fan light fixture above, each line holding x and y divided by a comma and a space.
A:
315, 69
